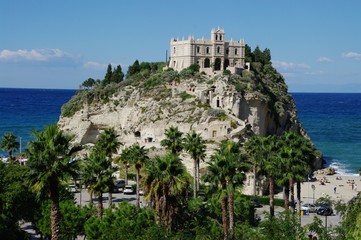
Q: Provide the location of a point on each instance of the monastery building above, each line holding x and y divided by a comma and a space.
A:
214, 55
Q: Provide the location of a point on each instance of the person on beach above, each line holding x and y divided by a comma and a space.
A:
334, 190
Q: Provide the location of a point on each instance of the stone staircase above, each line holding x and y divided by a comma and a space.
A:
240, 129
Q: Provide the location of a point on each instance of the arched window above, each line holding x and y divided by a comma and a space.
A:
217, 64
198, 49
218, 49
227, 50
216, 37
236, 51
174, 50
207, 63
207, 50
220, 37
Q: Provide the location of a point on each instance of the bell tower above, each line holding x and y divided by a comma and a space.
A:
217, 35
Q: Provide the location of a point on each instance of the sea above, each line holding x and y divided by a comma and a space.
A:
332, 120
25, 110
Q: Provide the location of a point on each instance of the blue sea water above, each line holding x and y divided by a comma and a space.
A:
332, 120
24, 110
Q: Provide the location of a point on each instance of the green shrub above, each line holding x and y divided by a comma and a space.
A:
218, 113
186, 73
194, 68
153, 81
226, 72
184, 95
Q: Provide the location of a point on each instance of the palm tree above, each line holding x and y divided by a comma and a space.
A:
216, 176
138, 157
195, 146
173, 141
124, 158
166, 185
237, 166
226, 171
251, 148
49, 163
301, 164
9, 144
285, 161
108, 143
269, 162
97, 174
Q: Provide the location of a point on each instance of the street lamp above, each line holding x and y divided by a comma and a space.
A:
313, 188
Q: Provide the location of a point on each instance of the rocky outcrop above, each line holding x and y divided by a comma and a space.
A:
212, 108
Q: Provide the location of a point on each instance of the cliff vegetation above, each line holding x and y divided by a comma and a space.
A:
152, 98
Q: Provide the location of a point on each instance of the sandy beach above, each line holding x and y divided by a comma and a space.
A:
346, 188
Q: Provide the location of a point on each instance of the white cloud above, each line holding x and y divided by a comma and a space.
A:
325, 59
314, 73
34, 55
289, 65
95, 65
352, 55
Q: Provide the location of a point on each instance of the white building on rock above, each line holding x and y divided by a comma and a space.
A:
214, 55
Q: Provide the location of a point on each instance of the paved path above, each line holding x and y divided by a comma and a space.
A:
116, 197
334, 220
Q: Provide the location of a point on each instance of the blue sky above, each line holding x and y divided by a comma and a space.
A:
316, 45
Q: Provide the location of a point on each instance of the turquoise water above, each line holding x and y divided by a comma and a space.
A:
332, 120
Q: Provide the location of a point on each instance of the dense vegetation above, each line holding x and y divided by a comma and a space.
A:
176, 209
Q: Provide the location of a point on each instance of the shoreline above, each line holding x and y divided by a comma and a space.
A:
324, 185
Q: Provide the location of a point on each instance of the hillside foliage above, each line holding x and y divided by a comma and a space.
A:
262, 79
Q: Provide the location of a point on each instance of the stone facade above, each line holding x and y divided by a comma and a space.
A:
214, 55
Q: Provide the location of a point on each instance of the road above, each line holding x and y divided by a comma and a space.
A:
83, 198
333, 220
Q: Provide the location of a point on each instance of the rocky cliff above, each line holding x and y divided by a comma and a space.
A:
218, 107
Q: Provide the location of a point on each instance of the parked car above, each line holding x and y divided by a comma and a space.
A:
309, 207
72, 188
319, 205
324, 210
120, 183
128, 189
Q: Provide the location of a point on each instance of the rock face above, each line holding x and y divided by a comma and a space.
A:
215, 110
212, 108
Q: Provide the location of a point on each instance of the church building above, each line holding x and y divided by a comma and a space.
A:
213, 56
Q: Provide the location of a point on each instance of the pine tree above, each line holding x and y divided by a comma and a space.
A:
118, 75
108, 75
